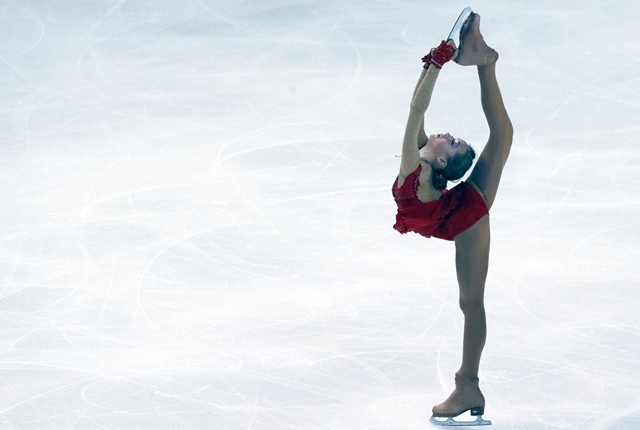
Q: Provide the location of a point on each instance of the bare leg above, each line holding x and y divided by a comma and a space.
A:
488, 170
472, 245
474, 51
472, 263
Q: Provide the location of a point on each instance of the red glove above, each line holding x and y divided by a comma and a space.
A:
438, 56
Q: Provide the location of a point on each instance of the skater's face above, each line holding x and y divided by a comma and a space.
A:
445, 146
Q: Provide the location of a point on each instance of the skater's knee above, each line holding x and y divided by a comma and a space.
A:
471, 305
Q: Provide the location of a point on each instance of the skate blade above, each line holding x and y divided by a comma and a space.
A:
450, 422
455, 31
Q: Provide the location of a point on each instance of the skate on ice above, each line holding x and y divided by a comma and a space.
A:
455, 411
470, 417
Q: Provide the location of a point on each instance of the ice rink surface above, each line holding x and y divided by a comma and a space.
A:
196, 216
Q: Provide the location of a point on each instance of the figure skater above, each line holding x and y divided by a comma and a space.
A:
460, 214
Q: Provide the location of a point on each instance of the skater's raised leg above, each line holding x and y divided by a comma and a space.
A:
487, 172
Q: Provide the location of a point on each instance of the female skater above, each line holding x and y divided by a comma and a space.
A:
460, 214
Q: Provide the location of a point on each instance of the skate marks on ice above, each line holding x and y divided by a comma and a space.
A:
196, 217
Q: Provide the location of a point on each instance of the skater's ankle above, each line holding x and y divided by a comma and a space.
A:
466, 377
490, 63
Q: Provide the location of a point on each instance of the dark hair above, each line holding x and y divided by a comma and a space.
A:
455, 169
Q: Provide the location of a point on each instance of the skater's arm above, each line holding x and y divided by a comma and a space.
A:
414, 131
422, 135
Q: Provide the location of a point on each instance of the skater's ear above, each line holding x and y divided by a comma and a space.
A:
442, 162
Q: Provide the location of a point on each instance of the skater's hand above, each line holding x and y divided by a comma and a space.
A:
440, 55
455, 48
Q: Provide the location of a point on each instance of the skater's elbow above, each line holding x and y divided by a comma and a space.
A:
417, 107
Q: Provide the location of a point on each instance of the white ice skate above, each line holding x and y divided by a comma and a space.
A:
455, 31
474, 413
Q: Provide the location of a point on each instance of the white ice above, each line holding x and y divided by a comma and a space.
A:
195, 216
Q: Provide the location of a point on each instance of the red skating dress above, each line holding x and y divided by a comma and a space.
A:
455, 211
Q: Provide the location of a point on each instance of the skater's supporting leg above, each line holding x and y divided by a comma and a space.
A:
472, 263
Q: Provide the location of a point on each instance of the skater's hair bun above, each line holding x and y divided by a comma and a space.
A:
438, 179
455, 169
